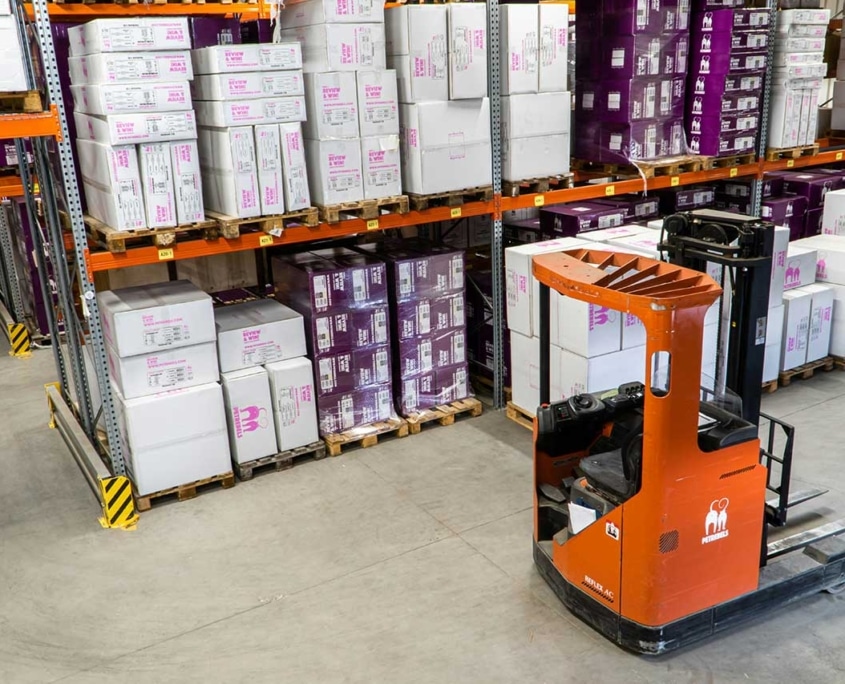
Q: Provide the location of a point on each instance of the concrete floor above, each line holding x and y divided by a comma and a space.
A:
409, 562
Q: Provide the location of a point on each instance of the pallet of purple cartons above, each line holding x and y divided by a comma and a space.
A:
636, 207
567, 220
786, 210
480, 331
687, 198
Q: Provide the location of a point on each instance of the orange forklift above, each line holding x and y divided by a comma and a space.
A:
651, 517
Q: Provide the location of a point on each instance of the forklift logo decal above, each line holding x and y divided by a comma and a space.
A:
716, 522
612, 531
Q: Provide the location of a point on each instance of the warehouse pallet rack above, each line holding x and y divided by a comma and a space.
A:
74, 415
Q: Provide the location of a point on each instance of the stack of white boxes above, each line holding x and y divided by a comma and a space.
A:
352, 133
136, 130
13, 78
798, 70
536, 106
268, 383
774, 327
249, 102
589, 352
160, 341
439, 53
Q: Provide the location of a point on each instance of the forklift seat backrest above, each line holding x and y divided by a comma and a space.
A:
729, 429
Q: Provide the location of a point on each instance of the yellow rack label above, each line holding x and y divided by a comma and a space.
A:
372, 224
455, 213
165, 254
790, 163
539, 200
734, 172
675, 180
610, 190
265, 240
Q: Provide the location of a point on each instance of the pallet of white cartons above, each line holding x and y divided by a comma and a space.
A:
666, 166
770, 387
115, 240
519, 415
728, 161
444, 415
231, 227
537, 185
777, 154
453, 198
365, 436
282, 461
364, 209
806, 371
185, 491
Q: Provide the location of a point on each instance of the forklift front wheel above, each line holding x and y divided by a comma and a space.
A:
836, 588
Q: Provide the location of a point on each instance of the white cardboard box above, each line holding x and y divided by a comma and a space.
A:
467, 50
535, 157
131, 67
140, 34
445, 145
226, 59
774, 325
154, 160
378, 103
13, 77
248, 85
771, 362
554, 47
222, 113
796, 324
127, 98
585, 329
332, 101
112, 183
579, 374
268, 158
169, 369
779, 252
187, 181
418, 48
821, 321
149, 318
536, 114
339, 47
294, 405
258, 332
525, 372
833, 219
229, 171
421, 86
830, 257
522, 289
310, 12
800, 267
633, 331
294, 172
249, 413
334, 171
130, 129
606, 234
164, 452
518, 48
381, 166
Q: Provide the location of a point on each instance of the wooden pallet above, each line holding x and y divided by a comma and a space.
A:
445, 414
670, 166
729, 161
770, 387
364, 209
537, 185
487, 384
365, 436
282, 461
116, 240
519, 415
185, 491
806, 371
792, 152
455, 198
231, 227
26, 102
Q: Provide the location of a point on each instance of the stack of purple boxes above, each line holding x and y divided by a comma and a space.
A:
568, 220
427, 297
727, 68
480, 332
631, 79
343, 296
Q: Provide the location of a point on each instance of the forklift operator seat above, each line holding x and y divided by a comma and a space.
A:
616, 472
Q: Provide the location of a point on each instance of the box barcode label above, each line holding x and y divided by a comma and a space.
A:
168, 377
347, 412
383, 404
406, 280
382, 370
360, 291
458, 348
321, 292
326, 368
423, 318
410, 398
166, 336
324, 335
380, 321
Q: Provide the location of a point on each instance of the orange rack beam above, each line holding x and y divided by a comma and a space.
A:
31, 125
84, 12
191, 249
11, 186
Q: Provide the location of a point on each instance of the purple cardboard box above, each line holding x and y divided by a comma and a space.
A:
425, 316
723, 144
624, 57
352, 370
258, 31
438, 350
713, 19
440, 386
723, 63
786, 211
836, 173
309, 281
566, 220
772, 187
9, 154
339, 331
632, 100
717, 85
673, 200
520, 232
622, 143
739, 205
346, 410
418, 270
812, 223
715, 126
727, 103
812, 186
709, 42
626, 18
637, 207
209, 31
